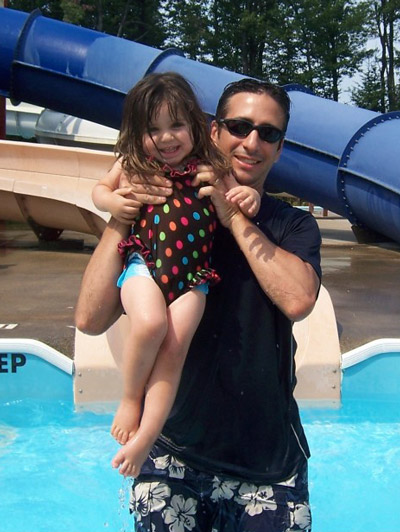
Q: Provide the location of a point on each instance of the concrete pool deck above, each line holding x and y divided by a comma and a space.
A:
39, 284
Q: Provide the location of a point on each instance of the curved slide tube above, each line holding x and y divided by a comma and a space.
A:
340, 157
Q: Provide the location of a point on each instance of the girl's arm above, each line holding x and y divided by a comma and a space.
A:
113, 194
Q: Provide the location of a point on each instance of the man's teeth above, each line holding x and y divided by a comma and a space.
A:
248, 161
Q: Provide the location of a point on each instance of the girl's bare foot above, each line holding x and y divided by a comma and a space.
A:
126, 420
131, 456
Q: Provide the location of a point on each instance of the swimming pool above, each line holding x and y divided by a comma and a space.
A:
55, 472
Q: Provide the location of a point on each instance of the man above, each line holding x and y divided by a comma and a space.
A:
233, 455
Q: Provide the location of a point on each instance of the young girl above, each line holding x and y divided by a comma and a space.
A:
167, 255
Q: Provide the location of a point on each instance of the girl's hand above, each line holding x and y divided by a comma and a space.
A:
216, 189
247, 198
123, 205
227, 195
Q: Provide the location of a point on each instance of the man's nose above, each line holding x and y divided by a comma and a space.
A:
252, 140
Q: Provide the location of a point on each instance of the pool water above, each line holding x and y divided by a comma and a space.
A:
355, 463
55, 473
354, 467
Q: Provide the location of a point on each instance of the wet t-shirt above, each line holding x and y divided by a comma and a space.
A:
235, 413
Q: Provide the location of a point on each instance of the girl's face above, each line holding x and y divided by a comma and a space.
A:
170, 139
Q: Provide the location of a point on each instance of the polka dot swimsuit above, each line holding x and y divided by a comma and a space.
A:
175, 238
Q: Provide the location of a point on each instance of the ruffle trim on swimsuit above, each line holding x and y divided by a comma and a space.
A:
190, 168
133, 244
206, 275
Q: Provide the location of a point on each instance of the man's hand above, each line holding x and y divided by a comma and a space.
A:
153, 191
128, 199
216, 189
123, 197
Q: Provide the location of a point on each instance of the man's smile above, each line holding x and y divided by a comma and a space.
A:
245, 159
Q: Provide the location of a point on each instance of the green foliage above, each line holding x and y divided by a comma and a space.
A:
137, 20
369, 93
73, 11
378, 89
187, 27
313, 42
227, 33
50, 9
322, 42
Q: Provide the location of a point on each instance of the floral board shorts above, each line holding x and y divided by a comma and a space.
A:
169, 496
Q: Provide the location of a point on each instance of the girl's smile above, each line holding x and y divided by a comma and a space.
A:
169, 139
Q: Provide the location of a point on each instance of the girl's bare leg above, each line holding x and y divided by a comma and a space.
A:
184, 316
145, 306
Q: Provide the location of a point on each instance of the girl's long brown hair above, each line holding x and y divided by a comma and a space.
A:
143, 103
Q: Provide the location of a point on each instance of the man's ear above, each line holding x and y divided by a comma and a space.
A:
214, 131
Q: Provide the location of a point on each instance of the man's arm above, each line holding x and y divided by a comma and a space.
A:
99, 304
288, 281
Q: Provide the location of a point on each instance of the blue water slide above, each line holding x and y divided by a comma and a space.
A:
343, 158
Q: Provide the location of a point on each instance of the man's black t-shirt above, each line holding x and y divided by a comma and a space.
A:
235, 413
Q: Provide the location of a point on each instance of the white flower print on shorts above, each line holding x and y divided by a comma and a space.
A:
170, 496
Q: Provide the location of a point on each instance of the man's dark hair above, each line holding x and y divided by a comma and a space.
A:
256, 87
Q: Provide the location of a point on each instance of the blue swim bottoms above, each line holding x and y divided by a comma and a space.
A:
137, 267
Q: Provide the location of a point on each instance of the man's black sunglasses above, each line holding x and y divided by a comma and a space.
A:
242, 128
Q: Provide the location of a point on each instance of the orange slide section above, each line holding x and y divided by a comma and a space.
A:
49, 187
